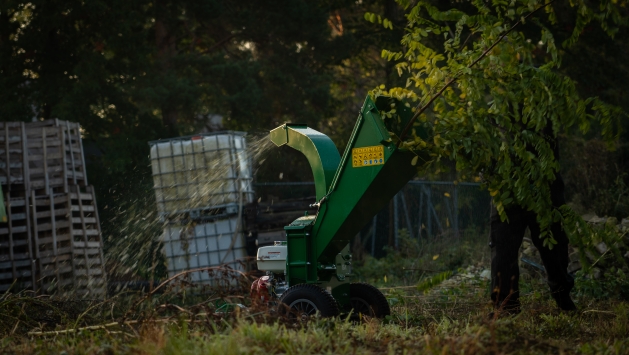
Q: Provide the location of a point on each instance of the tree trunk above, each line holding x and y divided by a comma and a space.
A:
169, 120
166, 50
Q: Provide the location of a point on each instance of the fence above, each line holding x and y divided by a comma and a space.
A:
425, 210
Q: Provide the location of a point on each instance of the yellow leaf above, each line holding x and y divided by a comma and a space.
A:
385, 278
493, 192
414, 161
434, 257
446, 194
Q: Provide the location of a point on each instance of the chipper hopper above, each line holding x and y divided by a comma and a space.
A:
312, 270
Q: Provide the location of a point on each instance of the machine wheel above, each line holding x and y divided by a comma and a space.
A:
304, 300
367, 300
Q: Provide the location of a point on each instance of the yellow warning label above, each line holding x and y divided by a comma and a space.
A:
367, 156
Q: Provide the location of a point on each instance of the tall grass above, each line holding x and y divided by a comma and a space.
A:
419, 324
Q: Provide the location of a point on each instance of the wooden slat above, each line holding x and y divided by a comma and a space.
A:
62, 259
8, 275
88, 220
83, 195
53, 255
42, 184
42, 203
16, 243
18, 216
58, 238
89, 272
96, 247
88, 232
38, 172
56, 213
45, 227
50, 143
85, 209
45, 156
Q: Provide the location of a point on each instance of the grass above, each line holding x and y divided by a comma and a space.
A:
446, 320
447, 317
416, 327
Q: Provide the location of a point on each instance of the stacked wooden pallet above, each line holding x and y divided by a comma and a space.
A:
16, 249
52, 240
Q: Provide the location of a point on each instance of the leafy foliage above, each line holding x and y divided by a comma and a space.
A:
614, 285
430, 262
485, 82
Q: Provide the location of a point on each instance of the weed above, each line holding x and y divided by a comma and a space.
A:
447, 316
614, 284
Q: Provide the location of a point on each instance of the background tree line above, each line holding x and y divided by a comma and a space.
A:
134, 71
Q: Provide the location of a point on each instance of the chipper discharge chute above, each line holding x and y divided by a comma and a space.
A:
311, 271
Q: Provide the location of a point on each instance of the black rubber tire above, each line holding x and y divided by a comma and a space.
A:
304, 300
366, 300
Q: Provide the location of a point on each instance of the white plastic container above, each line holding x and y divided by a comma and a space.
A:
203, 245
200, 171
272, 258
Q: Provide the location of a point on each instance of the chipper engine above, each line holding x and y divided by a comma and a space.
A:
312, 270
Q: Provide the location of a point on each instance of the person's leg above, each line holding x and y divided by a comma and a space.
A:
506, 238
556, 263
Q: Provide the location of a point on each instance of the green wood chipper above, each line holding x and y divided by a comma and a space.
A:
311, 271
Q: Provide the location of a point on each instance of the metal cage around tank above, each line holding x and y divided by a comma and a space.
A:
201, 175
193, 246
201, 184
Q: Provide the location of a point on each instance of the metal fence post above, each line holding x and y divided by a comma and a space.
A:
421, 206
455, 212
409, 227
396, 220
428, 205
373, 235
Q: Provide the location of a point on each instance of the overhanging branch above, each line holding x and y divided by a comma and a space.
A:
421, 109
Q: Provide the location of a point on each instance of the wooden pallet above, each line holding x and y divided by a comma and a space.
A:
52, 212
62, 278
51, 225
68, 242
13, 153
65, 218
41, 156
73, 148
17, 275
15, 234
73, 275
47, 159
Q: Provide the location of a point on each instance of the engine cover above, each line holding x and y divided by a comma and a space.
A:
272, 258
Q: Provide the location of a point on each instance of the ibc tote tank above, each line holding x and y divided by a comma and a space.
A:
196, 173
200, 182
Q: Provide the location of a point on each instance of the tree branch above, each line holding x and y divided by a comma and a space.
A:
449, 82
219, 43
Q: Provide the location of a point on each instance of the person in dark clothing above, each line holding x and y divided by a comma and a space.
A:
506, 238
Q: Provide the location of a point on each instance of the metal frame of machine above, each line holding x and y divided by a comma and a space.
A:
350, 190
